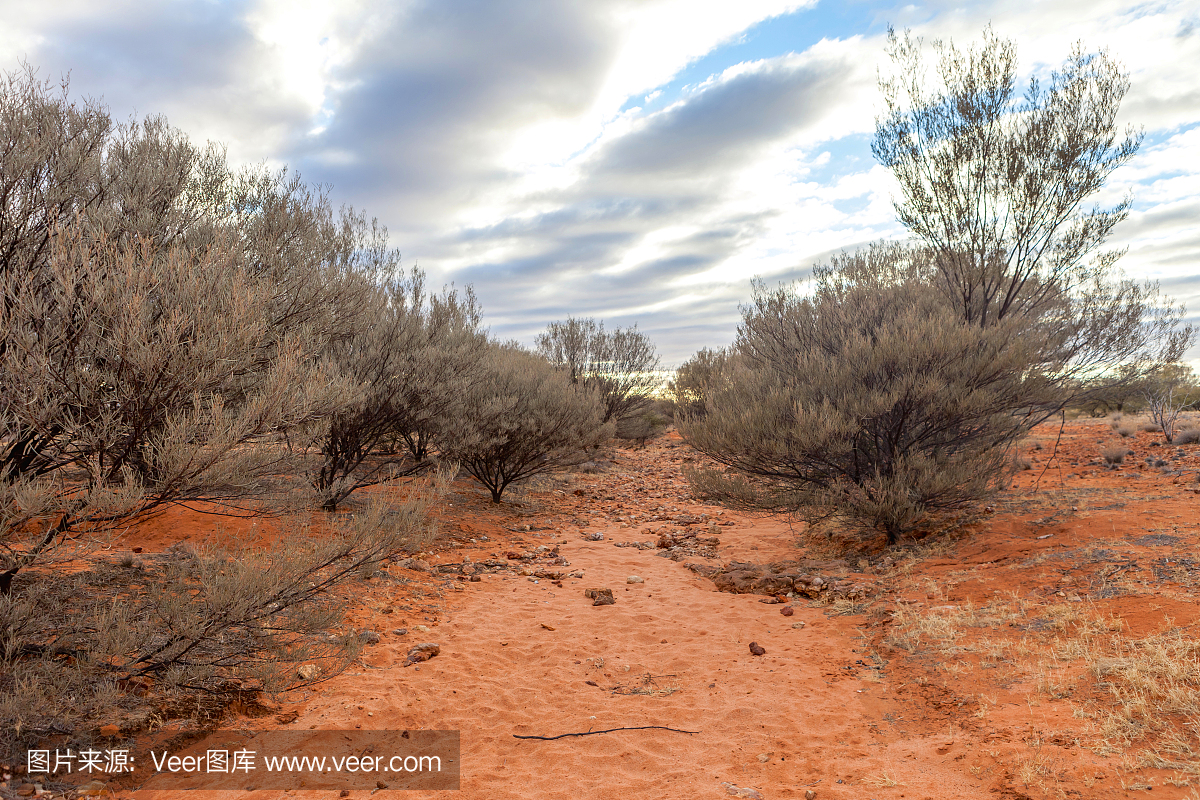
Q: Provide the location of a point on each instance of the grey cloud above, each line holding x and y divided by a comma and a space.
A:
725, 125
431, 100
670, 171
192, 61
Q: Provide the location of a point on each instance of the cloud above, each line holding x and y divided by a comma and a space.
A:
550, 153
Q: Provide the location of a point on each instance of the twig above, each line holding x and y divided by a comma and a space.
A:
1038, 482
610, 730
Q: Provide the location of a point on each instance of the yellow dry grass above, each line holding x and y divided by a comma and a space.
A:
1138, 696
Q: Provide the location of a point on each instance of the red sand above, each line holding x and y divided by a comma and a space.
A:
828, 707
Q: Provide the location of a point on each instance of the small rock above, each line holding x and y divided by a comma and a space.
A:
810, 795
763, 758
548, 627
771, 601
306, 672
344, 793
756, 649
368, 637
475, 579
380, 785
744, 791
93, 789
787, 611
400, 632
634, 579
109, 731
594, 536
422, 652
389, 610
601, 597
798, 625
420, 628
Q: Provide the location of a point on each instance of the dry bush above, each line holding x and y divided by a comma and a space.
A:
192, 629
1002, 200
621, 364
1127, 430
164, 320
409, 361
640, 427
520, 418
866, 399
1115, 454
697, 378
1168, 395
1114, 420
1188, 435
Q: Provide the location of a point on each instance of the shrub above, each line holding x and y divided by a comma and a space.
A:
641, 427
1167, 395
999, 190
410, 360
190, 631
520, 418
621, 364
696, 379
162, 316
867, 399
1115, 453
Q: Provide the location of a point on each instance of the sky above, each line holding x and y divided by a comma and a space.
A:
636, 161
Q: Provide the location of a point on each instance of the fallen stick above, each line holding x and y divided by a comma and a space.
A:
610, 730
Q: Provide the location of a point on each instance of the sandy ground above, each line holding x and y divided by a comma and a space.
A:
851, 699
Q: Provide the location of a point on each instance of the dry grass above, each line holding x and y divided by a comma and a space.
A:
882, 781
1137, 696
1114, 453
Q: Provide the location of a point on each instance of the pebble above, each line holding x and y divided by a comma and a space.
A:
400, 632
757, 649
634, 579
306, 672
601, 597
422, 652
798, 625
787, 611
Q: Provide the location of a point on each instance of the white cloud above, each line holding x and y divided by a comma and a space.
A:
526, 147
